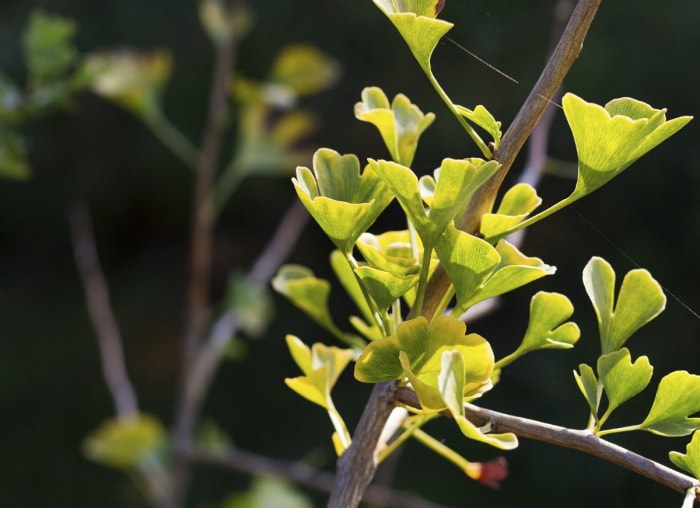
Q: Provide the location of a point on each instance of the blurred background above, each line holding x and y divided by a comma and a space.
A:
52, 392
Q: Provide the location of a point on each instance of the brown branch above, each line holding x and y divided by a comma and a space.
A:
304, 475
197, 310
582, 440
563, 57
356, 466
208, 356
109, 339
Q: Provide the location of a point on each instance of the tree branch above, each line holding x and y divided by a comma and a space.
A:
563, 57
582, 440
100, 312
302, 474
197, 310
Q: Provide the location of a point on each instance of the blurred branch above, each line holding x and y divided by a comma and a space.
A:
357, 464
100, 311
304, 475
582, 440
208, 357
197, 309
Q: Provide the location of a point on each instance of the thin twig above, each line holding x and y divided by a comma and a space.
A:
197, 310
582, 440
349, 488
100, 311
209, 355
303, 475
563, 57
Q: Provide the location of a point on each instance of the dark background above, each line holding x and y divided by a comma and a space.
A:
51, 390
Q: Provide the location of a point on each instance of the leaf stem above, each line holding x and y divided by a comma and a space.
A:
618, 430
447, 452
486, 152
175, 140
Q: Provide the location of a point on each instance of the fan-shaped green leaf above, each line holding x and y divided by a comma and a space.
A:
677, 398
690, 460
621, 378
588, 384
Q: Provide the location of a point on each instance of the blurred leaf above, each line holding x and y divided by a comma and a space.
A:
47, 46
220, 25
212, 438
305, 69
621, 378
345, 274
251, 303
125, 443
13, 156
639, 301
677, 398
134, 80
690, 461
269, 492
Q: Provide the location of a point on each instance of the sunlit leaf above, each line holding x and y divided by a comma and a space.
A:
677, 398
400, 123
609, 139
588, 384
416, 22
385, 287
483, 118
343, 202
548, 328
639, 301
621, 378
690, 460
517, 203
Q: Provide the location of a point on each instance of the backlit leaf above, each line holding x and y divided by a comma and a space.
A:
588, 384
690, 460
621, 378
639, 301
677, 399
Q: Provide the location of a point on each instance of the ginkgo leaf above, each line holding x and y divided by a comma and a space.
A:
690, 460
548, 328
385, 287
639, 300
621, 378
588, 384
677, 398
517, 203
125, 442
483, 118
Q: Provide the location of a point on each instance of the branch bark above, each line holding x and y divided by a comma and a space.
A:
99, 308
582, 440
558, 65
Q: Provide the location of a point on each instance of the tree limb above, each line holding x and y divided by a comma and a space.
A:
563, 57
582, 440
99, 309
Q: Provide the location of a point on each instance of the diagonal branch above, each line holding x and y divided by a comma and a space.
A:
100, 311
563, 57
582, 440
